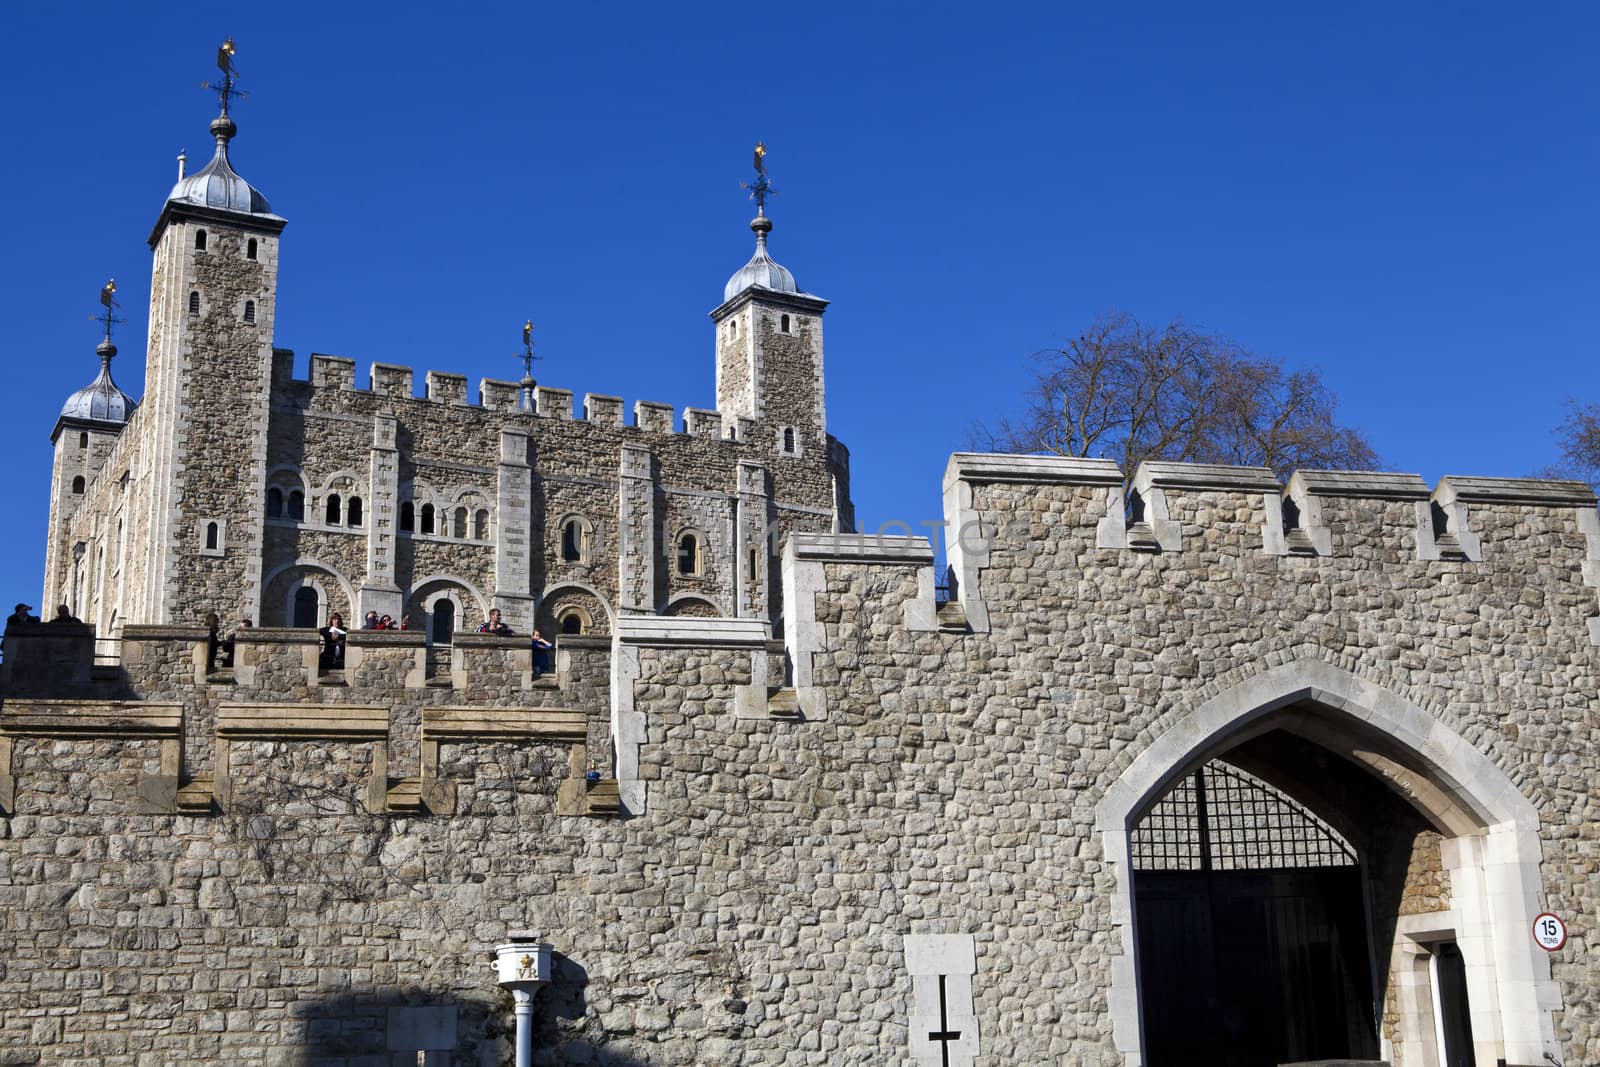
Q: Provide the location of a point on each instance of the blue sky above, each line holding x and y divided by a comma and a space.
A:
1402, 196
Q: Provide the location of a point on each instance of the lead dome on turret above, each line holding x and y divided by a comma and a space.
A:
101, 400
762, 271
217, 184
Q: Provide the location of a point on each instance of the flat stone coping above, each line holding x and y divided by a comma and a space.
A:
1372, 485
90, 718
689, 630
164, 633
274, 635
385, 639
1538, 492
984, 467
307, 721
514, 643
1205, 477
584, 642
866, 548
489, 724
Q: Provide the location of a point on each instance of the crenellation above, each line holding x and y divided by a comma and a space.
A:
603, 410
496, 395
698, 422
445, 388
387, 379
332, 372
554, 403
653, 417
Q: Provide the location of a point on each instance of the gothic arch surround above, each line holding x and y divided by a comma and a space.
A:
1492, 832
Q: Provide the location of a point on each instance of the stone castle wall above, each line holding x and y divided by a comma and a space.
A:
899, 768
320, 440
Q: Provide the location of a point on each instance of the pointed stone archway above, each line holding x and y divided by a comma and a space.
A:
1491, 845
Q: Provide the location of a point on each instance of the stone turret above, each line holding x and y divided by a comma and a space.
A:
207, 380
769, 353
88, 427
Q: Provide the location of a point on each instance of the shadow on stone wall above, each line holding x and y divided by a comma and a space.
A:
390, 1029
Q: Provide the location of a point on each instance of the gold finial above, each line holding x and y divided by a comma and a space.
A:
761, 156
225, 54
527, 333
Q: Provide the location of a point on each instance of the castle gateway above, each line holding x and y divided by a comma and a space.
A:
1209, 787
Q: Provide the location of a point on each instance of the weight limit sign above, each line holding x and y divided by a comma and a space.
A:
1549, 932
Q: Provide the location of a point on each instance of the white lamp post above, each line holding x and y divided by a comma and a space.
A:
522, 965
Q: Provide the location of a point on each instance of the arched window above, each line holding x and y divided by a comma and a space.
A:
77, 485
250, 249
788, 439
200, 240
353, 510
427, 518
444, 622
408, 516
330, 513
211, 536
305, 608
480, 525
783, 324
460, 529
573, 546
572, 623
689, 554
297, 505
83, 439
274, 503
250, 311
194, 302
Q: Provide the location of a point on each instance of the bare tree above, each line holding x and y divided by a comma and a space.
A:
1579, 438
1130, 392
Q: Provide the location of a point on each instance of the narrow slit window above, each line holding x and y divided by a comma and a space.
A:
194, 302
83, 439
783, 324
274, 503
330, 512
250, 311
408, 516
755, 563
788, 440
211, 536
1441, 520
353, 510
250, 249
199, 240
77, 485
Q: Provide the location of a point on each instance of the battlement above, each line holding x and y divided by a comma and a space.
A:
335, 373
392, 692
1030, 540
